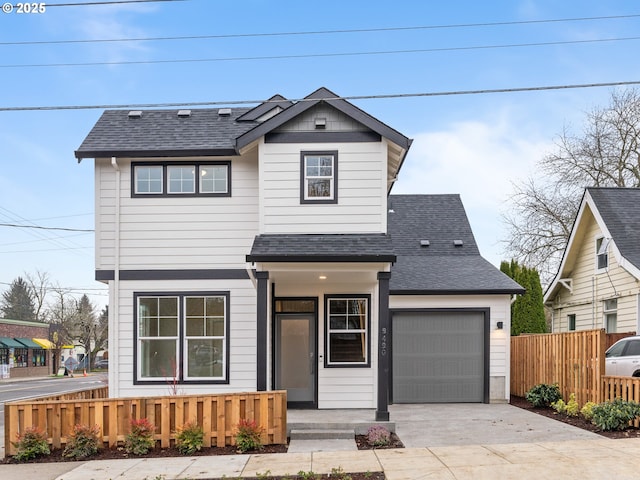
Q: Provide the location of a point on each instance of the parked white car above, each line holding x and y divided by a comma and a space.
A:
623, 358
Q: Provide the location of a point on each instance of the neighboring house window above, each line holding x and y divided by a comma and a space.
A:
611, 315
182, 337
348, 326
602, 256
319, 177
211, 179
572, 322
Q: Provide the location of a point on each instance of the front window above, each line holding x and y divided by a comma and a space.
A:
182, 337
20, 357
319, 177
611, 315
348, 331
209, 179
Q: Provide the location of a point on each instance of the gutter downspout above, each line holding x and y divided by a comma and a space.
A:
114, 313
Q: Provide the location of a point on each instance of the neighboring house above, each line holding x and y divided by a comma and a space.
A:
25, 349
258, 248
598, 283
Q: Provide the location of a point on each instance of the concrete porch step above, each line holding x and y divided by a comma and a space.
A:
359, 428
321, 434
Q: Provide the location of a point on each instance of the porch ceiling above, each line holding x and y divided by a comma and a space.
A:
322, 274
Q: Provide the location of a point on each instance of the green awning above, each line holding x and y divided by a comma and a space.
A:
10, 343
27, 342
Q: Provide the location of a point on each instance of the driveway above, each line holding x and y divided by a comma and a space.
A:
433, 425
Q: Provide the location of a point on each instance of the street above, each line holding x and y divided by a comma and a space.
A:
11, 390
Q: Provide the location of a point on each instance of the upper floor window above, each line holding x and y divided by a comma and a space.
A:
602, 256
319, 177
611, 315
202, 179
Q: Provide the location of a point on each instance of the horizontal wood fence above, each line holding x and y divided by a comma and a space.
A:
626, 388
218, 415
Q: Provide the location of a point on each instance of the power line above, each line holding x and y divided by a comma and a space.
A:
316, 55
320, 32
348, 97
45, 228
113, 2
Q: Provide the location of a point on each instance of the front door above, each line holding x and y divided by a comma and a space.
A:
295, 358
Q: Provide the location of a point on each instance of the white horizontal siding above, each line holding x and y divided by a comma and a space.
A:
176, 231
242, 336
361, 190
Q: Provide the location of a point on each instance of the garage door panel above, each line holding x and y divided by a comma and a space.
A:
438, 357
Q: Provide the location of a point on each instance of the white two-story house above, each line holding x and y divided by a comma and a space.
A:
259, 248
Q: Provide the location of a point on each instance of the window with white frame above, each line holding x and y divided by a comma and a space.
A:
602, 255
182, 337
611, 315
187, 179
348, 324
319, 177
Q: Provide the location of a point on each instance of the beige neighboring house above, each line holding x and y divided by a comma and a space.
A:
598, 283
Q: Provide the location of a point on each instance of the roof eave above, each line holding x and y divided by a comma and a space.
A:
196, 152
321, 258
464, 291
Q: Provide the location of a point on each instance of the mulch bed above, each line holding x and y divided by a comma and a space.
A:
119, 453
578, 421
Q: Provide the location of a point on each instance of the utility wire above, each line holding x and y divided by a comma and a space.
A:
45, 228
350, 97
113, 2
319, 32
315, 55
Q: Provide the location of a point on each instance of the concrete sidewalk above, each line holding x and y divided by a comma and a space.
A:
584, 459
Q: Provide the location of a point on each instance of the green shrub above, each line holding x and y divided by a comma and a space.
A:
543, 395
378, 436
140, 440
587, 410
615, 415
31, 443
190, 438
570, 409
83, 442
248, 436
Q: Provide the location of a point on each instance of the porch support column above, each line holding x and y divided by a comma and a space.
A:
261, 330
382, 411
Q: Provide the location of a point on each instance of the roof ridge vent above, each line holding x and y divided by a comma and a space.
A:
135, 114
184, 113
224, 112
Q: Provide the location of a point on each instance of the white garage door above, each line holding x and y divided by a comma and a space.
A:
438, 357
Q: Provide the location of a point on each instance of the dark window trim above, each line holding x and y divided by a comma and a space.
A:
307, 201
164, 165
181, 295
571, 322
328, 297
487, 342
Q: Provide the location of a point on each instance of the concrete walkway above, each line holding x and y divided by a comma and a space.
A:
443, 441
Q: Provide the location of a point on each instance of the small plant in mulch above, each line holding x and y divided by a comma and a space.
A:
543, 395
140, 439
615, 415
248, 435
587, 410
378, 436
30, 444
84, 442
571, 408
190, 438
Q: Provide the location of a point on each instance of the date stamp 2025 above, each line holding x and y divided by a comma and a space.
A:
28, 7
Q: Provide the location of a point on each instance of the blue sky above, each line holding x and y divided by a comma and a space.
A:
474, 145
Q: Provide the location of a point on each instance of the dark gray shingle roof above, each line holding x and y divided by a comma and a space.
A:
620, 211
322, 248
164, 133
441, 267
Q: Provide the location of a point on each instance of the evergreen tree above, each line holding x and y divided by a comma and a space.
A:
527, 312
17, 302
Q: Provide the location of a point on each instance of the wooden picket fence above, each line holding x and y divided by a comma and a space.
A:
218, 415
626, 388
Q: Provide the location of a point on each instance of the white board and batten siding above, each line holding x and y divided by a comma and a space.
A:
362, 184
242, 349
591, 287
176, 232
499, 345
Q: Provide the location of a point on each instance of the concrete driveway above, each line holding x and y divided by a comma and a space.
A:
434, 425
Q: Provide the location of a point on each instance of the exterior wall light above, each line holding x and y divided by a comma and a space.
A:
499, 325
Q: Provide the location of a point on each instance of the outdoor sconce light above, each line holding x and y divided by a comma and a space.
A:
499, 325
